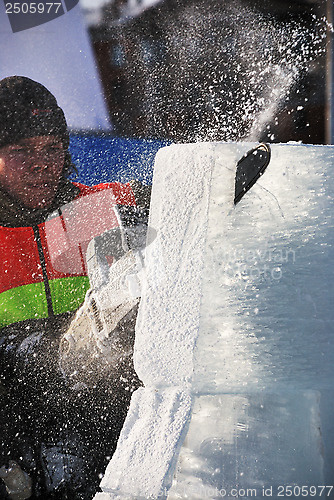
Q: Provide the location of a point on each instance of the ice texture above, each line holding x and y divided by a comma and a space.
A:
240, 442
267, 281
149, 439
235, 330
170, 308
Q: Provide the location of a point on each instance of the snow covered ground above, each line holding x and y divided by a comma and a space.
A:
234, 338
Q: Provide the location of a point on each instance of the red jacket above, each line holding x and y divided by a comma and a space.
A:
32, 282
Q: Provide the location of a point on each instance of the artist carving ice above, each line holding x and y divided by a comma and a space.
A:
234, 340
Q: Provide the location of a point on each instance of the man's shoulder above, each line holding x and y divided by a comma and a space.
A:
122, 192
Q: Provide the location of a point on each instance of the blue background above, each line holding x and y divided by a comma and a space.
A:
103, 158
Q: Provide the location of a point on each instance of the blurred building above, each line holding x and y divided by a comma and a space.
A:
190, 70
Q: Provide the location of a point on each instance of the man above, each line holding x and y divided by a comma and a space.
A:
61, 438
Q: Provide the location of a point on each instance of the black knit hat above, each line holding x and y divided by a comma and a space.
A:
28, 109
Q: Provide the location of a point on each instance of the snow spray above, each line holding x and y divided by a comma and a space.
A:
224, 73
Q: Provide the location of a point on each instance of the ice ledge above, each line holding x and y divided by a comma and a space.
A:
169, 317
156, 417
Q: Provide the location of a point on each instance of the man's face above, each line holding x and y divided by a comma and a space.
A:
30, 170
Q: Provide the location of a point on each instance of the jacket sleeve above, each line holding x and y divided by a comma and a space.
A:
123, 192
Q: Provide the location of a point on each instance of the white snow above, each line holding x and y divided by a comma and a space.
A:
148, 442
169, 311
234, 338
136, 7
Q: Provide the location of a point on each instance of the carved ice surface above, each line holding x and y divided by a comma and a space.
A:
235, 332
267, 288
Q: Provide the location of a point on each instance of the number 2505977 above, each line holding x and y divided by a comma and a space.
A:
33, 7
304, 491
